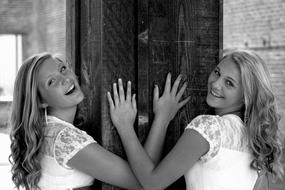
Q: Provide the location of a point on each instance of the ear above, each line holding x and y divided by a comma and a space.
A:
43, 105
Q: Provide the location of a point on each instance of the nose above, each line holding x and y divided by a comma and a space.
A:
217, 83
66, 80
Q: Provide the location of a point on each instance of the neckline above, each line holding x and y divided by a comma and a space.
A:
235, 116
52, 118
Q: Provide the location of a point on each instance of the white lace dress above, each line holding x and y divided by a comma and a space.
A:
62, 141
226, 166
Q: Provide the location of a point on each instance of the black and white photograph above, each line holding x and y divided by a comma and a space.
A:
142, 94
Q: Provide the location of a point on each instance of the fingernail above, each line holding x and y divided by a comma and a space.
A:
129, 82
120, 80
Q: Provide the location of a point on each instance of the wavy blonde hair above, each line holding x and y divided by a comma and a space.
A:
260, 115
27, 122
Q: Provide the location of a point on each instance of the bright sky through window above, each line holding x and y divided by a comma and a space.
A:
11, 58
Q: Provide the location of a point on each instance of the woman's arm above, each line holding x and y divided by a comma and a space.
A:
164, 108
105, 166
190, 147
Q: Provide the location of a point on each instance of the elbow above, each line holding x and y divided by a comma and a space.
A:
149, 188
150, 185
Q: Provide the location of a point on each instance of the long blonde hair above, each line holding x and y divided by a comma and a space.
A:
260, 115
27, 122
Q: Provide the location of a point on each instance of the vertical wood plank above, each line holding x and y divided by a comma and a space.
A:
183, 37
144, 87
141, 41
118, 59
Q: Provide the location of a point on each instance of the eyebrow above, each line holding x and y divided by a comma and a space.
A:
228, 77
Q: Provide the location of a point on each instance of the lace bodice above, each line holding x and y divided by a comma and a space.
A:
227, 131
226, 165
62, 141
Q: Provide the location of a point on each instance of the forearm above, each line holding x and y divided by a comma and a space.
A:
139, 160
155, 139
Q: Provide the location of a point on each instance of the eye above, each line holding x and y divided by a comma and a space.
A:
63, 68
217, 72
51, 81
229, 83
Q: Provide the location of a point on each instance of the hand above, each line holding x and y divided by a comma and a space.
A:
123, 109
168, 104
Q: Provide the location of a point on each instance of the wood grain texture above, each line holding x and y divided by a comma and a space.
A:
141, 41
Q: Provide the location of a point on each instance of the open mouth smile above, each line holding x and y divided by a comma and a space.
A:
215, 94
71, 89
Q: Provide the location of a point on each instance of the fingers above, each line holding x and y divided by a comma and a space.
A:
182, 103
181, 91
110, 100
155, 93
115, 94
129, 91
175, 85
134, 103
167, 84
121, 91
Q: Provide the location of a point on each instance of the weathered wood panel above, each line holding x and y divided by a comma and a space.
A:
100, 46
179, 37
141, 41
118, 60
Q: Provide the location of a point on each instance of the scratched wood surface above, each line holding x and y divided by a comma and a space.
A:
141, 41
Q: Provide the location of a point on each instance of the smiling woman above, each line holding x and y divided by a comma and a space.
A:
225, 92
58, 87
238, 142
47, 150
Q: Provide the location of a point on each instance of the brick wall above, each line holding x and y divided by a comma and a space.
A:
49, 26
42, 25
259, 25
41, 22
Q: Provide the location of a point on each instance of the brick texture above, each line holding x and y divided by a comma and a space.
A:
259, 25
41, 22
42, 26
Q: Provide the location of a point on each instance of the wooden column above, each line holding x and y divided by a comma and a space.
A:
141, 41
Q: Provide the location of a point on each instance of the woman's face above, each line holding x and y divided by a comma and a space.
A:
58, 85
225, 92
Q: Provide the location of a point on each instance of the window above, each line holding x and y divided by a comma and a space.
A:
11, 58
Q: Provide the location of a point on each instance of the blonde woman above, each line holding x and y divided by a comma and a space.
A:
47, 151
215, 152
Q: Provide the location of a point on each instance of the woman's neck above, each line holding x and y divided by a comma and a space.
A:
65, 115
238, 113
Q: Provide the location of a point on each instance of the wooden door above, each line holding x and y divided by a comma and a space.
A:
141, 41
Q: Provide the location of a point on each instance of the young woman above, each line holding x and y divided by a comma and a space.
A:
47, 151
216, 152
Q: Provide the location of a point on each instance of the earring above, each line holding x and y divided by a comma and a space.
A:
46, 115
45, 107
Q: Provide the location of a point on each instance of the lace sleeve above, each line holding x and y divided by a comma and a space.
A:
68, 142
209, 127
234, 134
